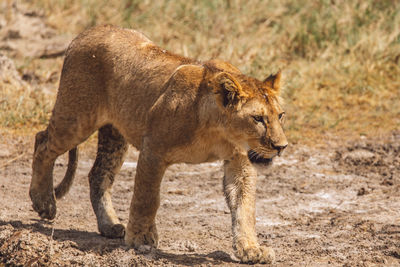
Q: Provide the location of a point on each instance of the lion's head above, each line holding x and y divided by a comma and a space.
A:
254, 117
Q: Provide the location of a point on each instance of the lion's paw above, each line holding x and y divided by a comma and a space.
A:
255, 254
44, 204
113, 230
142, 241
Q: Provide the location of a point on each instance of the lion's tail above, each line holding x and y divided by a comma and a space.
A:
63, 187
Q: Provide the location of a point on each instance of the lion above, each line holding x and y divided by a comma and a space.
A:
173, 110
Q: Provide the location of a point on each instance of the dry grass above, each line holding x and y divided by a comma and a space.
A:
23, 107
341, 59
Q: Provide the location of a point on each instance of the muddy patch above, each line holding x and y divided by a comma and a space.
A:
372, 158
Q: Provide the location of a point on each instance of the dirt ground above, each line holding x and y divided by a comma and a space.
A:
332, 205
337, 205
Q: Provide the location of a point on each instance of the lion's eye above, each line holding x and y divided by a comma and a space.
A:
281, 116
258, 119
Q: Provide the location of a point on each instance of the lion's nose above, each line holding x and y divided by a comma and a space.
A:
280, 148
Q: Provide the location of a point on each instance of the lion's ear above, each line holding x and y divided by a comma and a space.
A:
273, 81
228, 90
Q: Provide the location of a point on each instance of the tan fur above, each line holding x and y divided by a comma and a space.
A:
173, 109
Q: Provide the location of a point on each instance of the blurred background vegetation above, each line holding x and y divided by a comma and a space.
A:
340, 59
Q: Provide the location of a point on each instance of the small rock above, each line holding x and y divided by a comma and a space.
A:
362, 191
4, 152
144, 249
191, 246
387, 182
359, 157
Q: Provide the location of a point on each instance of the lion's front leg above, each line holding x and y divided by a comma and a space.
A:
141, 229
240, 189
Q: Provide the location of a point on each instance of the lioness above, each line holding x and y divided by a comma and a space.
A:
173, 109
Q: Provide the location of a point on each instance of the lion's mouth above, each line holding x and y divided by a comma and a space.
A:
257, 158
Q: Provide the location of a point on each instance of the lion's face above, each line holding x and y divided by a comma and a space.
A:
255, 117
265, 136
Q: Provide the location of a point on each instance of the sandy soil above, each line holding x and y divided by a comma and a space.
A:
338, 205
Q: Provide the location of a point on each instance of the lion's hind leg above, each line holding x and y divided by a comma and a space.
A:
111, 151
59, 137
66, 130
41, 188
